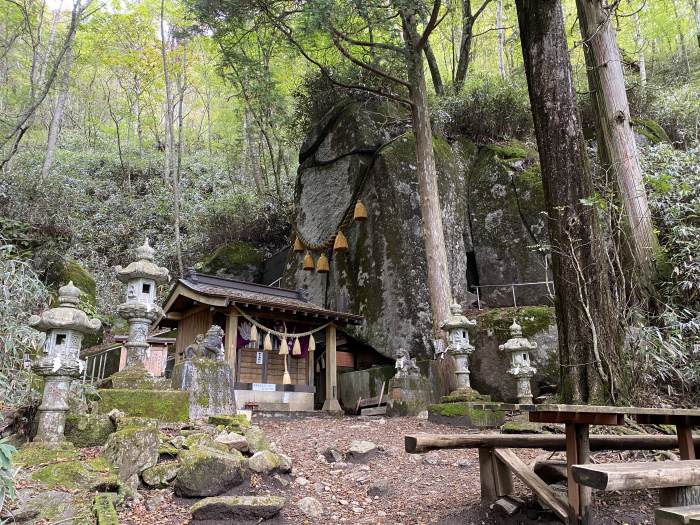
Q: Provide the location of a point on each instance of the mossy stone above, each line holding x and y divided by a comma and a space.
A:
70, 270
163, 405
136, 377
532, 319
523, 427
78, 474
195, 441
131, 451
208, 472
34, 454
88, 430
513, 149
257, 441
465, 415
160, 475
231, 258
236, 423
103, 508
651, 130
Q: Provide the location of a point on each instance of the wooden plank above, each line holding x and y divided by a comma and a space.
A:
632, 476
489, 493
572, 485
421, 443
676, 515
532, 480
666, 419
685, 442
604, 409
579, 418
583, 452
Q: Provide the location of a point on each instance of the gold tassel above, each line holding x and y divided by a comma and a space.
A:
360, 211
341, 243
308, 262
312, 343
322, 264
254, 336
298, 245
267, 343
284, 348
296, 349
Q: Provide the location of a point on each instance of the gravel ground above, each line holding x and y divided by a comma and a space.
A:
438, 487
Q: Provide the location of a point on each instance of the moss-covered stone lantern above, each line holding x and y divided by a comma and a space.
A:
140, 309
59, 362
458, 345
520, 368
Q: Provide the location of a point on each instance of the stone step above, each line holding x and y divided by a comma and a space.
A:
677, 515
374, 411
272, 406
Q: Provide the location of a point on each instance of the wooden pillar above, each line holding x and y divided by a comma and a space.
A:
231, 335
572, 486
331, 403
685, 442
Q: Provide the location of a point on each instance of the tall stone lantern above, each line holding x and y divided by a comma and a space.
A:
59, 362
458, 345
140, 309
520, 368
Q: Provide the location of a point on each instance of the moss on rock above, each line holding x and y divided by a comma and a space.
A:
236, 423
77, 474
532, 319
208, 472
88, 430
651, 130
103, 508
163, 405
513, 149
465, 415
231, 258
35, 454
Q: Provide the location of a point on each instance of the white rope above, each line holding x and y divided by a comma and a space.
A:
275, 332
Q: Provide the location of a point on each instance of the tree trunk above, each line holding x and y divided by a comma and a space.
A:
639, 42
681, 37
585, 321
434, 70
465, 46
439, 288
614, 131
696, 12
55, 125
501, 38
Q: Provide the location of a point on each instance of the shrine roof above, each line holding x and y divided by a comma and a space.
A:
250, 297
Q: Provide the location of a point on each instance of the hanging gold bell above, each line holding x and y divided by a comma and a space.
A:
322, 264
309, 262
341, 243
298, 245
360, 212
296, 349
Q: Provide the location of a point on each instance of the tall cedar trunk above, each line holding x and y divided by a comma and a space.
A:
696, 12
639, 42
585, 321
431, 212
681, 37
501, 38
465, 46
434, 70
55, 125
614, 131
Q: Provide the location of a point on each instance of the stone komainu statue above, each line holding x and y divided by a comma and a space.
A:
406, 365
210, 345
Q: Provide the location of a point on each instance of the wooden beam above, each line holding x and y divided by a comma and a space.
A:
571, 485
578, 418
532, 480
685, 442
421, 443
331, 403
231, 335
633, 476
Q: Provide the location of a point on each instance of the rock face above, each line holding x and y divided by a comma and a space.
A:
210, 385
236, 509
207, 472
133, 450
383, 274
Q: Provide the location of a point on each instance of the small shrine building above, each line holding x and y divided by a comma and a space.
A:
257, 321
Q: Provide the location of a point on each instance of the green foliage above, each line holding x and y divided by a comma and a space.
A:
7, 486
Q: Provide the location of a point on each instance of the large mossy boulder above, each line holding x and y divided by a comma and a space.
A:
235, 260
163, 405
208, 472
132, 450
209, 384
88, 430
383, 274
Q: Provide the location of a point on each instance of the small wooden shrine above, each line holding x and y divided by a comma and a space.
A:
282, 349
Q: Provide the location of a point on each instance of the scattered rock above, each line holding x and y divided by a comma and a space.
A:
178, 441
505, 507
378, 488
551, 470
132, 450
464, 463
432, 458
152, 504
285, 466
103, 508
333, 455
202, 439
264, 462
422, 415
208, 472
256, 440
232, 441
301, 481
237, 423
361, 451
237, 508
160, 475
283, 481
88, 430
311, 507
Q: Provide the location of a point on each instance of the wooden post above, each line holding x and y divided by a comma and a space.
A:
685, 442
572, 459
231, 335
495, 477
583, 450
331, 403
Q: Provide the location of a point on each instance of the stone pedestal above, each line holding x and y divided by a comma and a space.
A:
408, 396
210, 384
53, 409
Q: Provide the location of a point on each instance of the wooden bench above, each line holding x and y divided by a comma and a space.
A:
678, 483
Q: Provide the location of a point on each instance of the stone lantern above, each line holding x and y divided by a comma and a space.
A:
458, 345
59, 362
520, 368
140, 309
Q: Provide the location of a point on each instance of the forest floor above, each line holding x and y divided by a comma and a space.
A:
438, 487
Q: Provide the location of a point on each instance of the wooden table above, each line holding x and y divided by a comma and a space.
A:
578, 418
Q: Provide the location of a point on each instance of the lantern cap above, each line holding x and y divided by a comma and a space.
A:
456, 319
67, 316
143, 267
517, 341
